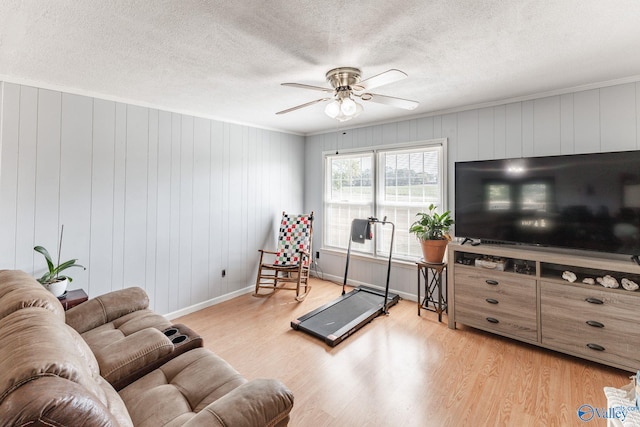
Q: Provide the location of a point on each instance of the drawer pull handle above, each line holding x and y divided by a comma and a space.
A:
491, 282
595, 324
491, 301
595, 347
594, 301
492, 320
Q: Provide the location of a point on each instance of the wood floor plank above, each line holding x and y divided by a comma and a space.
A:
401, 369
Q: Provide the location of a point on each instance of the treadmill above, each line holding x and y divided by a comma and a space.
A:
335, 321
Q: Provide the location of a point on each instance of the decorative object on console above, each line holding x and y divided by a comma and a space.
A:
569, 276
492, 263
432, 230
608, 282
629, 285
52, 280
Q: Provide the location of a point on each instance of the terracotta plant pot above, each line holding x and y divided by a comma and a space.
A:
433, 250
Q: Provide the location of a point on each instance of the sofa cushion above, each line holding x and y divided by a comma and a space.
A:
179, 388
132, 353
124, 335
107, 308
106, 334
187, 388
18, 290
40, 354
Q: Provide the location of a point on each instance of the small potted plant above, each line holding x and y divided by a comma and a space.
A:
52, 280
432, 230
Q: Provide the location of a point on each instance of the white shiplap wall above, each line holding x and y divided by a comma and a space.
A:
148, 198
597, 120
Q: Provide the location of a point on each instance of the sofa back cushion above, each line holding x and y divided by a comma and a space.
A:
49, 375
107, 308
18, 290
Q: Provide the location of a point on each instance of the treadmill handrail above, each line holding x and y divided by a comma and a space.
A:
384, 222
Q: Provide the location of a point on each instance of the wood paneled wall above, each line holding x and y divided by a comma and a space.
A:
596, 120
148, 198
167, 201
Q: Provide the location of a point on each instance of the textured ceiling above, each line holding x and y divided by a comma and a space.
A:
226, 59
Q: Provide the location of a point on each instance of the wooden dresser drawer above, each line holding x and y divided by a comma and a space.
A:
529, 301
496, 302
600, 324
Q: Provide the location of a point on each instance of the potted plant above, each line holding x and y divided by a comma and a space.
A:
52, 280
432, 230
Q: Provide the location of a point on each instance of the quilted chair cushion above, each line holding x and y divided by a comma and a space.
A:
294, 236
48, 375
18, 290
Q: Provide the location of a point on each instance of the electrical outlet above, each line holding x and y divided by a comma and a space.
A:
224, 273
317, 254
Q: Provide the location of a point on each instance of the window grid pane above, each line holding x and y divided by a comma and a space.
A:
413, 180
409, 180
349, 195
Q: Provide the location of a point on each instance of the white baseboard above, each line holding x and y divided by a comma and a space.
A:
217, 300
208, 303
350, 282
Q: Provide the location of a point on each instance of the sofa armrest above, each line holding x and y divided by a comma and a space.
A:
131, 354
105, 308
260, 402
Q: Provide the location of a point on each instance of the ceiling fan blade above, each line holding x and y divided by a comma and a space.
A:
297, 107
303, 86
385, 78
407, 104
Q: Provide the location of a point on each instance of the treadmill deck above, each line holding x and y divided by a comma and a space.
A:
335, 321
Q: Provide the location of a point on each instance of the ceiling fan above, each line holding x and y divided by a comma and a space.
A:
346, 85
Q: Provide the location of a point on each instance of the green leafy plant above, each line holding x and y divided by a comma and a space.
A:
431, 225
53, 275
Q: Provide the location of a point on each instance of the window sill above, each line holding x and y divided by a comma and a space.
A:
364, 257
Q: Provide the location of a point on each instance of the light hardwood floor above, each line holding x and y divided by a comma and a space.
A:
402, 369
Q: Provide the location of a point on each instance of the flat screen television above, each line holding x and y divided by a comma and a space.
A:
584, 201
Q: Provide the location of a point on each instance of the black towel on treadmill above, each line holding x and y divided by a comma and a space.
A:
360, 230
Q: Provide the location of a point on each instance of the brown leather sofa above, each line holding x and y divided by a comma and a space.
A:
49, 374
114, 323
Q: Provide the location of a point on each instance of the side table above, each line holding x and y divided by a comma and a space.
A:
72, 298
434, 299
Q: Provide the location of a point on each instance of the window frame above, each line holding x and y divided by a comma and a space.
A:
375, 251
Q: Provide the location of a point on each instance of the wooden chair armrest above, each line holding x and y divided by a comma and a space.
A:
264, 251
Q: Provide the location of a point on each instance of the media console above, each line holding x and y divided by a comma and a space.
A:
519, 292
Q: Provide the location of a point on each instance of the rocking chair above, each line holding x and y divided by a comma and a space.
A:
290, 269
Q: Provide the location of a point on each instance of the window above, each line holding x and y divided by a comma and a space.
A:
497, 197
535, 197
349, 194
393, 182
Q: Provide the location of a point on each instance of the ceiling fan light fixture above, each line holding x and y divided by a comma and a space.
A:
348, 107
333, 109
343, 109
344, 117
346, 85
